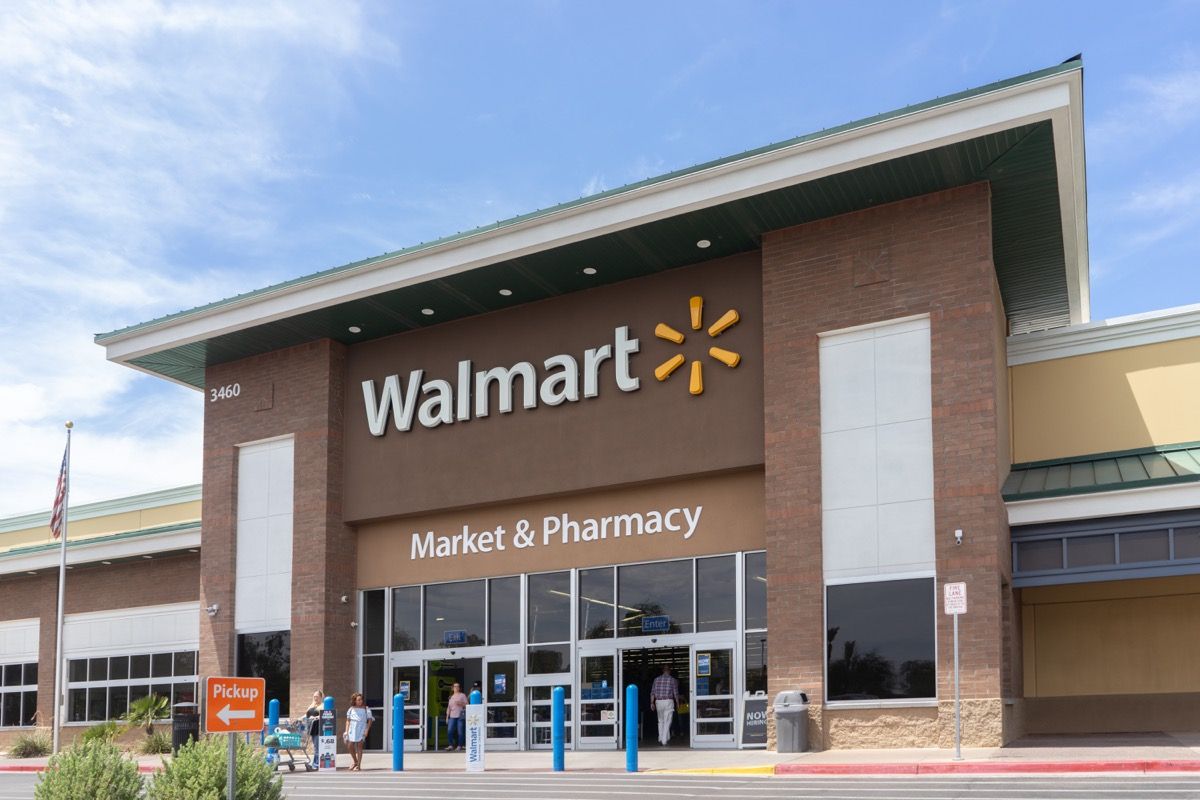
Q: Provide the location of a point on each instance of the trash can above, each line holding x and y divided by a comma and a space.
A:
791, 722
185, 724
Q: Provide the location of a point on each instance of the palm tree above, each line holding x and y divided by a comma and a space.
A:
144, 711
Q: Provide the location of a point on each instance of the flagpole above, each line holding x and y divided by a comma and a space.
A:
62, 586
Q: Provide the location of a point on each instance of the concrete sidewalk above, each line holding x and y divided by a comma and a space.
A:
1102, 753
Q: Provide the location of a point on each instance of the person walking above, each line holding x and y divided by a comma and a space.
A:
456, 718
358, 723
664, 696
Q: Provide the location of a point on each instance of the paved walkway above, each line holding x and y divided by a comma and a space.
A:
1149, 752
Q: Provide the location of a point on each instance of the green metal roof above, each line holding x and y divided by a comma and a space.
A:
1027, 241
1104, 472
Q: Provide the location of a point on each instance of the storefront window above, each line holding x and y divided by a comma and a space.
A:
406, 618
655, 598
373, 621
18, 695
596, 607
756, 662
756, 591
549, 658
101, 689
549, 607
454, 614
716, 594
881, 640
265, 655
504, 610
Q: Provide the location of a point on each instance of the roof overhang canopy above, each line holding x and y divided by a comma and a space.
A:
1024, 135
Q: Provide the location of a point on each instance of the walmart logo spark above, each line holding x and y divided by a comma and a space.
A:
726, 357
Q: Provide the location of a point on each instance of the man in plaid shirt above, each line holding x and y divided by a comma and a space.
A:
664, 694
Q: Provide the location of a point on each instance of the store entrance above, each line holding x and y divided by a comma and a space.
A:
641, 667
442, 674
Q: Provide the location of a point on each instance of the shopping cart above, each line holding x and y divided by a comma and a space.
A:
292, 737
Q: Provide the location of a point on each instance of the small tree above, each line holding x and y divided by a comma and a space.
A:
145, 711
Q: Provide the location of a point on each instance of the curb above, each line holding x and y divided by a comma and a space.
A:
142, 768
763, 770
987, 768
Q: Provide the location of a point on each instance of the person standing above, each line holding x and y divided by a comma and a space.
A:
456, 713
313, 714
358, 723
664, 696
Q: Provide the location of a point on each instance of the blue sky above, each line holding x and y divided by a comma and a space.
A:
157, 156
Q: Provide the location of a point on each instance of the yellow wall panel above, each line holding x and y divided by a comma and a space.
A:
1101, 402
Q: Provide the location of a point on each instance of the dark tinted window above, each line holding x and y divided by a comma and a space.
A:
185, 663
549, 658
880, 640
10, 709
1187, 542
118, 668
77, 669
97, 703
1039, 555
756, 590
98, 669
756, 662
596, 607
1145, 546
373, 621
31, 674
716, 594
12, 674
29, 708
372, 680
504, 610
139, 667
549, 607
648, 593
454, 614
118, 701
77, 705
160, 665
406, 618
1091, 551
269, 656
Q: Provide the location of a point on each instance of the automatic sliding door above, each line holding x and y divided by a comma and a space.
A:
406, 681
712, 682
598, 701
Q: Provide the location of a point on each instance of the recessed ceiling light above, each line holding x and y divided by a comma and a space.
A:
427, 312
354, 329
589, 270
106, 563
506, 292
30, 572
703, 243
193, 550
147, 556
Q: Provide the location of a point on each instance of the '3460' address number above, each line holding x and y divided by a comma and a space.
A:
224, 392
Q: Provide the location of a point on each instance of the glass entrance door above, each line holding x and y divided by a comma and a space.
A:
406, 680
598, 701
712, 691
500, 692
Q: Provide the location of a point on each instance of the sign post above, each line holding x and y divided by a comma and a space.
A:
327, 741
955, 598
233, 706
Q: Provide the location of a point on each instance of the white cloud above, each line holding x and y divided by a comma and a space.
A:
1153, 108
129, 129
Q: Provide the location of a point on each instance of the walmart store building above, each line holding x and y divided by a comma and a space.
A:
727, 420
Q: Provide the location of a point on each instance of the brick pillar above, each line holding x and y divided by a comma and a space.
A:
927, 255
298, 391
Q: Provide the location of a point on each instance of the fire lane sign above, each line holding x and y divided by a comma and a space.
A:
234, 705
955, 596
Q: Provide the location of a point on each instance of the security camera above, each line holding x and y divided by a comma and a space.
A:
353, 624
212, 610
345, 599
958, 536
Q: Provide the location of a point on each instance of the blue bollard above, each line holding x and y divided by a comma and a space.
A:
398, 733
558, 726
476, 698
272, 724
631, 727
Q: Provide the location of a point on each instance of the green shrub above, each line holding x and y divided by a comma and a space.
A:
104, 732
89, 770
198, 773
156, 743
32, 744
145, 711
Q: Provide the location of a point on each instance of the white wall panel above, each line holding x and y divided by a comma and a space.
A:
264, 537
19, 640
877, 450
124, 630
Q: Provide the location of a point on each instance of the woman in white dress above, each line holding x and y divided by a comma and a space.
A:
358, 722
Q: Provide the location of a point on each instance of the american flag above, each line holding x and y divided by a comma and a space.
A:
60, 500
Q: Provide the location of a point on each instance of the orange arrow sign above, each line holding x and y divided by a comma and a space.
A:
234, 705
